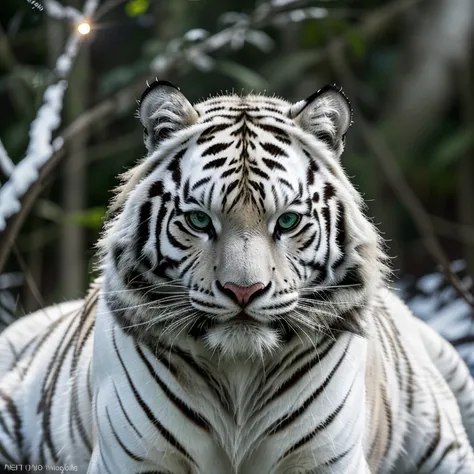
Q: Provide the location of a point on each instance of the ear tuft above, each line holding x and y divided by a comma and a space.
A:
327, 114
163, 111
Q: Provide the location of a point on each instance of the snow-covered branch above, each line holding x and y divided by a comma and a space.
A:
60, 12
48, 118
6, 164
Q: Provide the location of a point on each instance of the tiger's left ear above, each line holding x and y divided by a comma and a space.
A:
163, 111
327, 114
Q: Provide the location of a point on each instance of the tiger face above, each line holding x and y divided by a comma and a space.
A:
240, 228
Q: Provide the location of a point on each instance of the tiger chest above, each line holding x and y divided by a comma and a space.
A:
241, 421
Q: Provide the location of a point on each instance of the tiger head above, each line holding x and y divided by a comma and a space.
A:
240, 229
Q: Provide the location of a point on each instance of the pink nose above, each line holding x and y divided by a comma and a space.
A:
242, 294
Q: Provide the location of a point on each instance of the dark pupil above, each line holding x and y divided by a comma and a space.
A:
201, 217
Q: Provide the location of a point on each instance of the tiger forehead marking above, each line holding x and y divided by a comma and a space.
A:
241, 157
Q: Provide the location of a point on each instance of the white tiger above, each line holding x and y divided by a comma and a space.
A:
242, 322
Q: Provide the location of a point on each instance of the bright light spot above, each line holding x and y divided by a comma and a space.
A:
84, 28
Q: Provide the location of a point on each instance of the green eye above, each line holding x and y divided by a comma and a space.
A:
198, 220
288, 221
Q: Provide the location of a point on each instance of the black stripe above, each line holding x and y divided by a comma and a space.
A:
295, 268
434, 442
286, 360
201, 182
5, 427
153, 472
329, 192
205, 303
273, 149
129, 421
192, 261
53, 372
119, 441
89, 386
336, 459
188, 412
228, 191
172, 239
216, 148
101, 448
217, 388
410, 374
287, 419
301, 372
6, 455
277, 132
451, 447
175, 166
183, 229
340, 233
167, 435
308, 242
211, 195
307, 226
272, 164
143, 227
214, 164
159, 223
51, 328
259, 172
74, 412
286, 183
209, 133
388, 419
230, 171
156, 189
322, 426
13, 411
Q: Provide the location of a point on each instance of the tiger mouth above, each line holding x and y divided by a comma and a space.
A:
243, 317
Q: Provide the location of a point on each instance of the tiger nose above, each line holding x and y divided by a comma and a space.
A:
241, 294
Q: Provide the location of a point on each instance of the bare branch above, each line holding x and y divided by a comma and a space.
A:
394, 176
453, 230
410, 201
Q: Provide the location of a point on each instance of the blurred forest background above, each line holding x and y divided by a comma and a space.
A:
406, 65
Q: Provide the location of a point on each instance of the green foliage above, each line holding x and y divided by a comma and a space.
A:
137, 7
90, 218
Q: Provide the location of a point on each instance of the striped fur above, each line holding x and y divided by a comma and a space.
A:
161, 370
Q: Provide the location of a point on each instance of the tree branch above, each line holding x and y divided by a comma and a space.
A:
394, 176
412, 204
453, 230
110, 109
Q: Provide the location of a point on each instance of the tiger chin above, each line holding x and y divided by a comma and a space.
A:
242, 322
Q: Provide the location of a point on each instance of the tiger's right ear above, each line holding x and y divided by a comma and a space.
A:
163, 111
